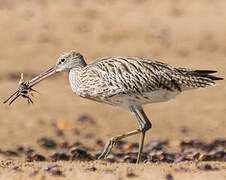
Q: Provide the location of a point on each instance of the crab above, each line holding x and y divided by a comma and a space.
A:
23, 90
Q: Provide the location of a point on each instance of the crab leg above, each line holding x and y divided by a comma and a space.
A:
17, 91
18, 95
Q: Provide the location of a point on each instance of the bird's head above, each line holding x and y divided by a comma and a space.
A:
70, 60
65, 62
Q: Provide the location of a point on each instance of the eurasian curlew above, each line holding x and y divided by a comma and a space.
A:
128, 82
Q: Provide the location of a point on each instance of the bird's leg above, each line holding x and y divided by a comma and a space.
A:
142, 130
108, 147
141, 145
146, 127
148, 124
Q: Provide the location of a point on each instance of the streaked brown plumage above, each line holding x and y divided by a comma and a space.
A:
128, 82
125, 81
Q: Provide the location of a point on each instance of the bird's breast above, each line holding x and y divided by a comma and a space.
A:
87, 86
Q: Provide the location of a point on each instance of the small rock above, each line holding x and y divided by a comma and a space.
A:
219, 142
59, 132
220, 155
156, 145
35, 157
56, 172
130, 175
120, 155
64, 145
196, 143
76, 144
206, 157
167, 157
39, 157
214, 156
129, 159
89, 135
29, 151
154, 158
16, 168
207, 167
91, 169
10, 153
51, 167
20, 149
181, 169
111, 158
84, 119
184, 130
57, 156
100, 143
47, 143
80, 154
169, 177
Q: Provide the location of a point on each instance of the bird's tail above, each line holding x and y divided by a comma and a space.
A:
206, 75
198, 78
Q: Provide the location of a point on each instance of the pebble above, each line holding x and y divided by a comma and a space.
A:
80, 154
58, 156
91, 169
10, 153
111, 158
16, 168
207, 167
214, 156
65, 145
192, 143
56, 172
100, 143
35, 157
130, 175
156, 145
129, 159
29, 151
51, 167
169, 177
84, 119
47, 143
59, 132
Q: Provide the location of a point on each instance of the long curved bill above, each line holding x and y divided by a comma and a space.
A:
28, 85
42, 76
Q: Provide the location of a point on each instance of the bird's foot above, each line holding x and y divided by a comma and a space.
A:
108, 147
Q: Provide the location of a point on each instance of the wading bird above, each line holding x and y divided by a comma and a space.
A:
128, 82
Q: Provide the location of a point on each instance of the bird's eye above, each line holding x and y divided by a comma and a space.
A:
62, 60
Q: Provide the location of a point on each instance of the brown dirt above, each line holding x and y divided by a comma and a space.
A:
183, 33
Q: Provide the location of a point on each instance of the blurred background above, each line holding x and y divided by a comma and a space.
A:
182, 33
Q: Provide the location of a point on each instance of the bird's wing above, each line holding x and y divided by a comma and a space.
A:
132, 75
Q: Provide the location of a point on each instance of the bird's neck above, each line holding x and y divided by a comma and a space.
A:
74, 78
76, 70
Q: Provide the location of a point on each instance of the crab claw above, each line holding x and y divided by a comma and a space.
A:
21, 81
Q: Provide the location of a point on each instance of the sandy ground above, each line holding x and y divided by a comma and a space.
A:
183, 33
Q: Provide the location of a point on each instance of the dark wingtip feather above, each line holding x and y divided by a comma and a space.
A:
206, 74
205, 71
213, 77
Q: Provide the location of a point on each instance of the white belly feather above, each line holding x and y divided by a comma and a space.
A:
150, 97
